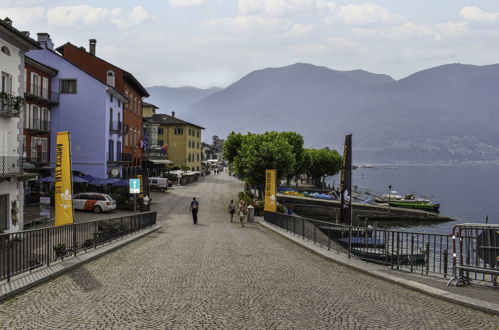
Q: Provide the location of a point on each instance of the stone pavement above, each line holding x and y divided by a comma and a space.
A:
218, 275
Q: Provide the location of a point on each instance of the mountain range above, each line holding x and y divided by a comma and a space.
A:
448, 113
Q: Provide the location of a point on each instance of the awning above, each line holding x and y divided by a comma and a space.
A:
160, 161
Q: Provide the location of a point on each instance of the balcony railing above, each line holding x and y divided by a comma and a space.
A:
42, 94
10, 105
117, 127
11, 166
119, 157
38, 125
37, 157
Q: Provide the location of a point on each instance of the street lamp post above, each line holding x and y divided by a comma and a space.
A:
389, 194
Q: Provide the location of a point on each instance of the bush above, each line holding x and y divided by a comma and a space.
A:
280, 208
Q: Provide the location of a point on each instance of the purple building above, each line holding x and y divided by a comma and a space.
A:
90, 110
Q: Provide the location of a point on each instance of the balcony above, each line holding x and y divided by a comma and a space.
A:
36, 157
11, 166
44, 95
117, 127
38, 125
119, 157
10, 105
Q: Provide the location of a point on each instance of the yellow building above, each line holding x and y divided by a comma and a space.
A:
148, 110
183, 140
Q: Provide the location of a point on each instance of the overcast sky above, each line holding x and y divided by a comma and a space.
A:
206, 43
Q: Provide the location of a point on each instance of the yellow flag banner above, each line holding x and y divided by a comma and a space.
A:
270, 191
63, 181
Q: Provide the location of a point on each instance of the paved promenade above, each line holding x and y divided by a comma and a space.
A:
218, 275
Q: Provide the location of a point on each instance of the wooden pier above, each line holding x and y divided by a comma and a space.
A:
330, 209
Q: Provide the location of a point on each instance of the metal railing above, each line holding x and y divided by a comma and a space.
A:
38, 125
424, 253
475, 253
124, 157
117, 127
11, 166
36, 157
42, 93
27, 250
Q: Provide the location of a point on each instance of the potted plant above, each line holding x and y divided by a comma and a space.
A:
60, 250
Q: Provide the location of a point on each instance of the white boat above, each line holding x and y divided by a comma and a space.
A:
392, 196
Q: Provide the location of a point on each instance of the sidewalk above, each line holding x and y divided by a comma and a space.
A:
24, 281
478, 296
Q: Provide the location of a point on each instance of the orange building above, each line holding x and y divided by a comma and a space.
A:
122, 81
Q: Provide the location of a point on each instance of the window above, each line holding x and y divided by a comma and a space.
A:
119, 103
35, 86
197, 157
67, 86
6, 83
45, 88
199, 132
111, 98
111, 150
110, 78
160, 131
5, 50
178, 131
198, 144
160, 143
189, 159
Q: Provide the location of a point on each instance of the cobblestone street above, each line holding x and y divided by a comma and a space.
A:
217, 275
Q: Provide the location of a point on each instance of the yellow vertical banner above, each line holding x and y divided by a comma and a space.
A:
63, 181
270, 191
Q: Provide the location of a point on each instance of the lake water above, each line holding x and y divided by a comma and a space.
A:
467, 193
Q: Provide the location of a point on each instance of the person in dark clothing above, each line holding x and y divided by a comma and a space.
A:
194, 209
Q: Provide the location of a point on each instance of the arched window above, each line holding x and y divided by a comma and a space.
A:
5, 50
110, 78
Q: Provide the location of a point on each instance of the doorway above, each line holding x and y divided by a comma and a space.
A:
4, 212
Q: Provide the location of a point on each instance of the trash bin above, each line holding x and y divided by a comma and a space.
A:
251, 213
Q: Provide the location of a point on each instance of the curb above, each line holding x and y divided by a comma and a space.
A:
24, 282
477, 304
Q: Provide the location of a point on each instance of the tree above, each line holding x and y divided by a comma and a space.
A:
323, 162
232, 146
264, 151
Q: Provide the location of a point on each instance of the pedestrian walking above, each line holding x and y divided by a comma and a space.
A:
194, 209
231, 209
242, 212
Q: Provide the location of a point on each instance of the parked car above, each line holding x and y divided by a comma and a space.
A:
161, 184
96, 202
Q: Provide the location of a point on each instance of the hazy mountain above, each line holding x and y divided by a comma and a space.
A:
170, 99
445, 113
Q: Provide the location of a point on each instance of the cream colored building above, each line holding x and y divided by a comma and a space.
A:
182, 139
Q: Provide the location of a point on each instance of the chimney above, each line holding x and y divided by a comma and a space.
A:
83, 48
173, 114
8, 21
26, 33
91, 47
45, 41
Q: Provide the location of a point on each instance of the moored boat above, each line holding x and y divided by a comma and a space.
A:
410, 201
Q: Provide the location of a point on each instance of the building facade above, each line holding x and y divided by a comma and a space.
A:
90, 110
13, 46
119, 79
182, 139
40, 98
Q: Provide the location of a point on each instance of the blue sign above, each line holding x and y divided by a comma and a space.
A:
134, 186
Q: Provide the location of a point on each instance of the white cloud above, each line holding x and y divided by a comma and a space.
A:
412, 30
300, 30
186, 3
23, 16
134, 18
243, 23
326, 5
82, 14
475, 14
367, 14
274, 7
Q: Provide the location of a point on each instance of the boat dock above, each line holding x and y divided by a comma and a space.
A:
330, 209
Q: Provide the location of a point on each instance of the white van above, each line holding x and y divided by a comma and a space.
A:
160, 184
